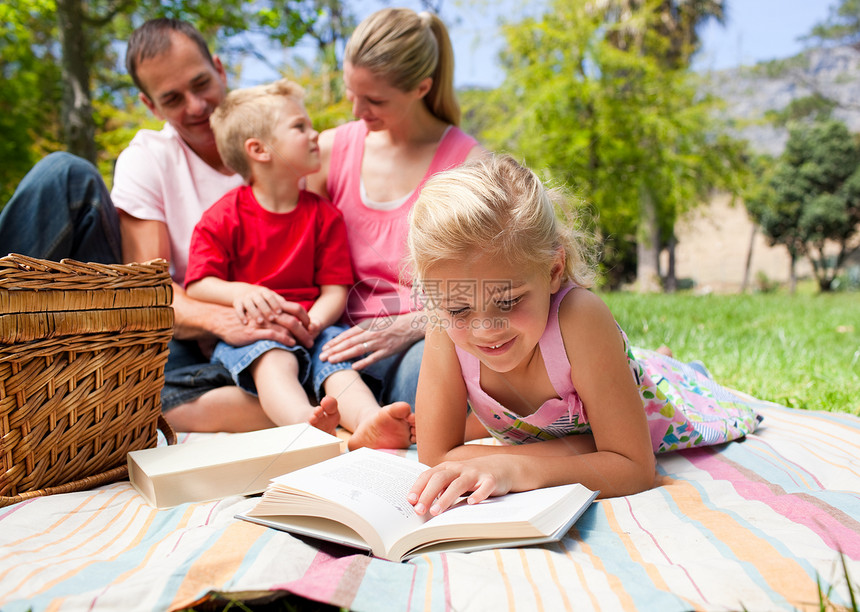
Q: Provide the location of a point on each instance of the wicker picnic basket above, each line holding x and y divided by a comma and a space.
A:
82, 354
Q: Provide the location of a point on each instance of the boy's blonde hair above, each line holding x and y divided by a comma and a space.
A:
404, 48
494, 207
246, 113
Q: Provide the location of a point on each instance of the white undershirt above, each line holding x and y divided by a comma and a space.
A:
391, 204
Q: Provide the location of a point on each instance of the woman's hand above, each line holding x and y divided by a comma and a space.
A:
440, 487
373, 340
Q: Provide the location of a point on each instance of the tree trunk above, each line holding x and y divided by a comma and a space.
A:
748, 266
648, 246
792, 275
671, 280
78, 121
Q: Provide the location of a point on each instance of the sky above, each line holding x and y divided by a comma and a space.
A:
755, 30
760, 30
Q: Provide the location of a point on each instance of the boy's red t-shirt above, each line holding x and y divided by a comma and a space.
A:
291, 253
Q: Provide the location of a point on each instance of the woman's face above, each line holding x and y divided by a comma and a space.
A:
375, 101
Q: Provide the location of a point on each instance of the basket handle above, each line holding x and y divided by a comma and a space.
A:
167, 429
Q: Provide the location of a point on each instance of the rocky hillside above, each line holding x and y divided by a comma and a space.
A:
750, 92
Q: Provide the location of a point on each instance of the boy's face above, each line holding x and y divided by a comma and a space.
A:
294, 141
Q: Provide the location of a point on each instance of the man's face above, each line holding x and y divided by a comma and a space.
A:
183, 88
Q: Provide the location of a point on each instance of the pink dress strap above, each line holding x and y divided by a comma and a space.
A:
552, 348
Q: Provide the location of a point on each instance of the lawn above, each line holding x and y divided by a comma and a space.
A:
801, 351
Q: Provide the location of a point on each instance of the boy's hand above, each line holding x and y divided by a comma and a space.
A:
440, 487
259, 304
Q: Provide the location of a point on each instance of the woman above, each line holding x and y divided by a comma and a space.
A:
398, 71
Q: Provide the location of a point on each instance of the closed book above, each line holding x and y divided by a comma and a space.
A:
225, 465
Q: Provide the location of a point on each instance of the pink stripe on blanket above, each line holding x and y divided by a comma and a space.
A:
840, 531
330, 579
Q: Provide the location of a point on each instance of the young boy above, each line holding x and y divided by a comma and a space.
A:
270, 242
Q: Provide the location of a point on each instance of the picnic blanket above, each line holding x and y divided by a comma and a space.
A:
760, 524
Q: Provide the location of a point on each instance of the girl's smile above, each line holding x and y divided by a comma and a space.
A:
492, 309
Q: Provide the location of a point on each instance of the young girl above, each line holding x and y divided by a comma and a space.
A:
516, 336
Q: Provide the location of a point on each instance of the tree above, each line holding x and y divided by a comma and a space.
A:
666, 30
842, 25
90, 87
617, 126
811, 195
30, 90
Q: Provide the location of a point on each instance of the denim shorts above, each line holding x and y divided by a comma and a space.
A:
238, 359
312, 371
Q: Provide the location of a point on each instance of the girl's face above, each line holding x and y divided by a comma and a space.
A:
491, 309
375, 101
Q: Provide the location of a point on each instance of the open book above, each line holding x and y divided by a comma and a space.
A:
359, 499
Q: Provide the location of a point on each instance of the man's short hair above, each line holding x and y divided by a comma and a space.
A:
153, 38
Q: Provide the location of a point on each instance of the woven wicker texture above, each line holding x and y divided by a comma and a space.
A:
82, 354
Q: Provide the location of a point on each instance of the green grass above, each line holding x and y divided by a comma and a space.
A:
801, 351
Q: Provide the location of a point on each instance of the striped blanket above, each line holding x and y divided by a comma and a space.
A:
761, 524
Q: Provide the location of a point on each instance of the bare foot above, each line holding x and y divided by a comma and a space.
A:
392, 427
326, 416
665, 350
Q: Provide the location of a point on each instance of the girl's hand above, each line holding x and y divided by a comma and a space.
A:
374, 339
259, 304
440, 487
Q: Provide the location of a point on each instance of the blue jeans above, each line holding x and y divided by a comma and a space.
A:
395, 378
189, 374
61, 209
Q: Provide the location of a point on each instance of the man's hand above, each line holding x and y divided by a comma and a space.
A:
288, 327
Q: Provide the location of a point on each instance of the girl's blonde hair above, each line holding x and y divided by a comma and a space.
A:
405, 47
494, 207
246, 113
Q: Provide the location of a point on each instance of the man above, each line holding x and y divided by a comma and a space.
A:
163, 182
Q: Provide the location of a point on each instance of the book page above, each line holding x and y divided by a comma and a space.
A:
372, 484
533, 516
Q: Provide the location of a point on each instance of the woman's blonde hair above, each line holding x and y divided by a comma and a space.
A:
405, 47
495, 207
246, 113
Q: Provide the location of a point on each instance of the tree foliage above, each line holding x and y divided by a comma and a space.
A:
62, 83
814, 107
30, 90
611, 123
811, 195
842, 25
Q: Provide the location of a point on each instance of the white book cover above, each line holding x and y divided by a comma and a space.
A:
224, 465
